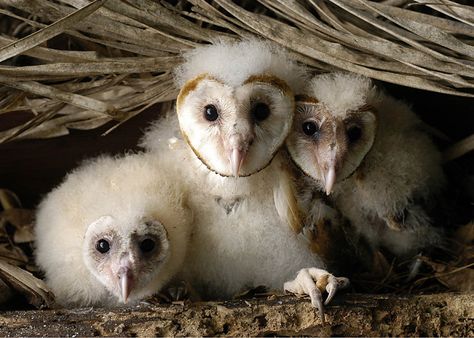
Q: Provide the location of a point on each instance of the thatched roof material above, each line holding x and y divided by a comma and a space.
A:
86, 63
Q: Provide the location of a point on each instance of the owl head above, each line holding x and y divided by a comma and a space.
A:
334, 127
236, 104
125, 258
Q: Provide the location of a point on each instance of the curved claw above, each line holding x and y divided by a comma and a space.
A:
317, 302
334, 284
307, 281
331, 288
343, 282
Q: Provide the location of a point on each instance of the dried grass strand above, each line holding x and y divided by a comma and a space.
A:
121, 54
459, 149
48, 32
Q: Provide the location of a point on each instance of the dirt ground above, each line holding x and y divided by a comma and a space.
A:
446, 314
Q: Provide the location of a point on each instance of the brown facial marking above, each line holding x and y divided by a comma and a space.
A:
365, 107
189, 86
301, 98
271, 80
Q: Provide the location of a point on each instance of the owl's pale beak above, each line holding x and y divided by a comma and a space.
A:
237, 151
126, 281
236, 159
330, 177
329, 180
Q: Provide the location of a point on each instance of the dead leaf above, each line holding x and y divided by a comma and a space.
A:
465, 234
8, 199
12, 254
18, 217
5, 292
22, 220
34, 289
453, 277
380, 266
24, 234
464, 244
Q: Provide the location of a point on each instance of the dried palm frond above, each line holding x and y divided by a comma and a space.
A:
80, 63
14, 259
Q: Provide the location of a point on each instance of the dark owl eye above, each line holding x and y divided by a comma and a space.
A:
102, 246
147, 245
210, 112
354, 133
310, 128
260, 111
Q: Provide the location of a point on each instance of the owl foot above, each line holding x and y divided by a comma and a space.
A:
312, 282
176, 292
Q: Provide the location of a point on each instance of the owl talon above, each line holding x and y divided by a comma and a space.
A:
317, 302
312, 282
331, 290
334, 284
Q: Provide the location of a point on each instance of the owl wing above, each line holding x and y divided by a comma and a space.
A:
285, 194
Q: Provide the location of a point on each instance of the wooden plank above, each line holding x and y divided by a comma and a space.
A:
349, 315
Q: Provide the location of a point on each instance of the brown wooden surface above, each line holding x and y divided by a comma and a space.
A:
348, 315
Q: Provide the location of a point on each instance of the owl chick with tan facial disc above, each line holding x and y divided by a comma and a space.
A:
115, 231
369, 152
235, 104
234, 111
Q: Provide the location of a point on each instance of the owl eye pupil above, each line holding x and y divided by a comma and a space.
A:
103, 246
261, 111
210, 112
310, 128
354, 134
147, 245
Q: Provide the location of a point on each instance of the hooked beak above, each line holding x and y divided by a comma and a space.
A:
126, 282
237, 157
330, 169
329, 179
238, 146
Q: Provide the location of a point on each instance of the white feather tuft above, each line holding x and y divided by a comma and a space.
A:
341, 92
233, 63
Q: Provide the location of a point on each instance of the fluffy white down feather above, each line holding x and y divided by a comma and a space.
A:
233, 246
127, 188
341, 92
248, 57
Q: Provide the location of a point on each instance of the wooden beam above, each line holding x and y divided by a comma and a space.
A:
445, 314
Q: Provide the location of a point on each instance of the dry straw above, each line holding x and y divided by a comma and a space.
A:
119, 53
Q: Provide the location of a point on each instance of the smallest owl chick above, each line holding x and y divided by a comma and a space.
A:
115, 231
369, 152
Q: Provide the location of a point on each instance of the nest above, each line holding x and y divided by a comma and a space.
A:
83, 64
79, 64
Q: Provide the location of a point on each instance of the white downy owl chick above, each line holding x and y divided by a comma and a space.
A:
115, 231
234, 110
369, 152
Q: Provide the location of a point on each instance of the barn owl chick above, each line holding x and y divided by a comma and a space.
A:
234, 111
369, 152
115, 231
235, 104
